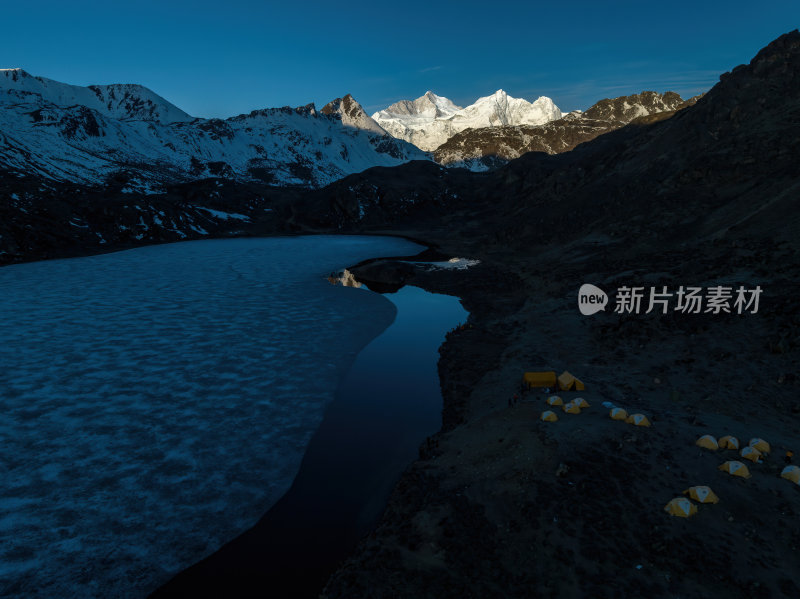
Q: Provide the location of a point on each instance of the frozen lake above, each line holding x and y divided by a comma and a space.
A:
155, 400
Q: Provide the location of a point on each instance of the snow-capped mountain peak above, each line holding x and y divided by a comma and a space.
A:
442, 106
431, 120
118, 101
427, 106
352, 114
94, 134
502, 109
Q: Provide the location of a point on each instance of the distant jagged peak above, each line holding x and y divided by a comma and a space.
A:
625, 109
352, 114
443, 107
346, 105
126, 101
307, 110
502, 109
428, 105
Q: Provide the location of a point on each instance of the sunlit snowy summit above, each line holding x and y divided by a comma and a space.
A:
431, 120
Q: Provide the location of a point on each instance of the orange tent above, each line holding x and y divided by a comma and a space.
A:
567, 382
539, 379
707, 442
681, 507
702, 494
750, 453
618, 414
638, 420
760, 445
736, 469
549, 416
791, 473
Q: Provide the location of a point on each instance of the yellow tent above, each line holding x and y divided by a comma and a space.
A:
728, 442
735, 468
707, 442
702, 494
571, 408
750, 453
618, 414
638, 420
580, 402
760, 445
567, 382
681, 507
549, 416
555, 400
791, 473
540, 379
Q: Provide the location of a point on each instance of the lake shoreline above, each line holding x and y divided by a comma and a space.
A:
385, 407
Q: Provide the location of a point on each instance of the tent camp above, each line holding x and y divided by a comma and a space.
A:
760, 445
791, 473
618, 414
728, 442
681, 507
702, 494
567, 382
707, 442
539, 379
735, 468
549, 416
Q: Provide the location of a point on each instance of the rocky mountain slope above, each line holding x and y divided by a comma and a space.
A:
88, 135
41, 219
489, 147
431, 120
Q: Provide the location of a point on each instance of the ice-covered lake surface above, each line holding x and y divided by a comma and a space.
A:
155, 401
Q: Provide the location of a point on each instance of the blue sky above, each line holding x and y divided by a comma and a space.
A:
225, 58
